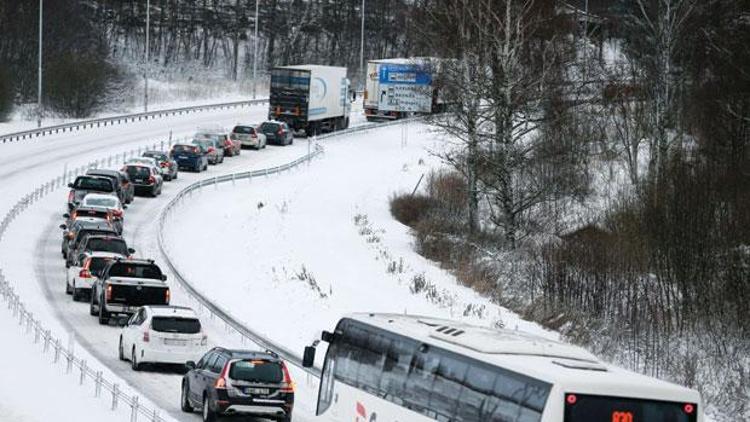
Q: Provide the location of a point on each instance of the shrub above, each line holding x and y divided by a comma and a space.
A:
410, 209
6, 94
78, 86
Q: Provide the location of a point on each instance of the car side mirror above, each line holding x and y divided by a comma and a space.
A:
66, 215
64, 226
124, 206
308, 358
163, 277
326, 336
190, 365
131, 251
70, 185
67, 264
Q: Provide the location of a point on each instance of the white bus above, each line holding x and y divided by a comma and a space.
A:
398, 368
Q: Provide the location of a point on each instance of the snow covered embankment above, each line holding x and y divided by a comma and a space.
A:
289, 255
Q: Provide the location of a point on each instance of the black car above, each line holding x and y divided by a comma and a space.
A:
123, 187
82, 225
86, 184
145, 178
238, 382
168, 166
277, 133
75, 245
103, 243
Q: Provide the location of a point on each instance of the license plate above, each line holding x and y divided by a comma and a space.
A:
263, 391
172, 342
182, 157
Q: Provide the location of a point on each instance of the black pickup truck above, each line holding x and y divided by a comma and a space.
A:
125, 285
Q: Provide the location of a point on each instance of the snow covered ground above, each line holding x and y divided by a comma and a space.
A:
62, 394
298, 251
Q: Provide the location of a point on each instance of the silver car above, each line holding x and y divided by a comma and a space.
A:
248, 136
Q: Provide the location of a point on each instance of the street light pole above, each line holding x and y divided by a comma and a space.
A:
39, 73
148, 57
362, 48
255, 51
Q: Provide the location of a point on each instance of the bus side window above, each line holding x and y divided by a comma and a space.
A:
515, 398
446, 390
347, 358
372, 357
419, 383
396, 368
325, 395
477, 387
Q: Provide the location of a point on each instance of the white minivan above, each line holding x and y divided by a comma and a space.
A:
162, 334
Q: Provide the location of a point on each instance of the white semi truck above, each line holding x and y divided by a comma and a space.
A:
310, 98
396, 88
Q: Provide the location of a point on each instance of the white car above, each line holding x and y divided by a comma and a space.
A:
83, 272
108, 202
162, 334
249, 136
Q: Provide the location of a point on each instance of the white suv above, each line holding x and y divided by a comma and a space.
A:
162, 334
83, 272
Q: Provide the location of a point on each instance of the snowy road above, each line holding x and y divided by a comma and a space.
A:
140, 233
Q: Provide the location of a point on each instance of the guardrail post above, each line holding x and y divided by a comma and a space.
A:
134, 410
83, 372
115, 395
155, 416
46, 342
98, 384
57, 350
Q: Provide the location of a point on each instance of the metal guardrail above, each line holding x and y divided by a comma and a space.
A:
125, 118
230, 321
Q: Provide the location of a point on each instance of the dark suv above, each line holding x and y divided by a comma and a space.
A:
238, 382
277, 133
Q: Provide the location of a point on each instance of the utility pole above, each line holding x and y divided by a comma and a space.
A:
255, 52
148, 58
362, 48
39, 73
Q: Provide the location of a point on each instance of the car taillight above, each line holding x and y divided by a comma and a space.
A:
221, 382
253, 136
71, 196
211, 149
84, 273
167, 296
287, 386
73, 215
117, 213
164, 164
151, 180
108, 292
70, 235
280, 132
146, 336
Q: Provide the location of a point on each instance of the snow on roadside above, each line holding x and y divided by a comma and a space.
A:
64, 399
291, 254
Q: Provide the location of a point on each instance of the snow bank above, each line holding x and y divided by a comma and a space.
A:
291, 254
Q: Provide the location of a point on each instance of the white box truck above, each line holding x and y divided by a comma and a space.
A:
310, 98
395, 88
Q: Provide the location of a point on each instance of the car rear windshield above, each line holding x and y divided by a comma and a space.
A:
100, 202
135, 270
185, 149
158, 155
107, 245
135, 172
176, 325
247, 130
93, 183
581, 407
269, 127
91, 213
98, 263
257, 370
